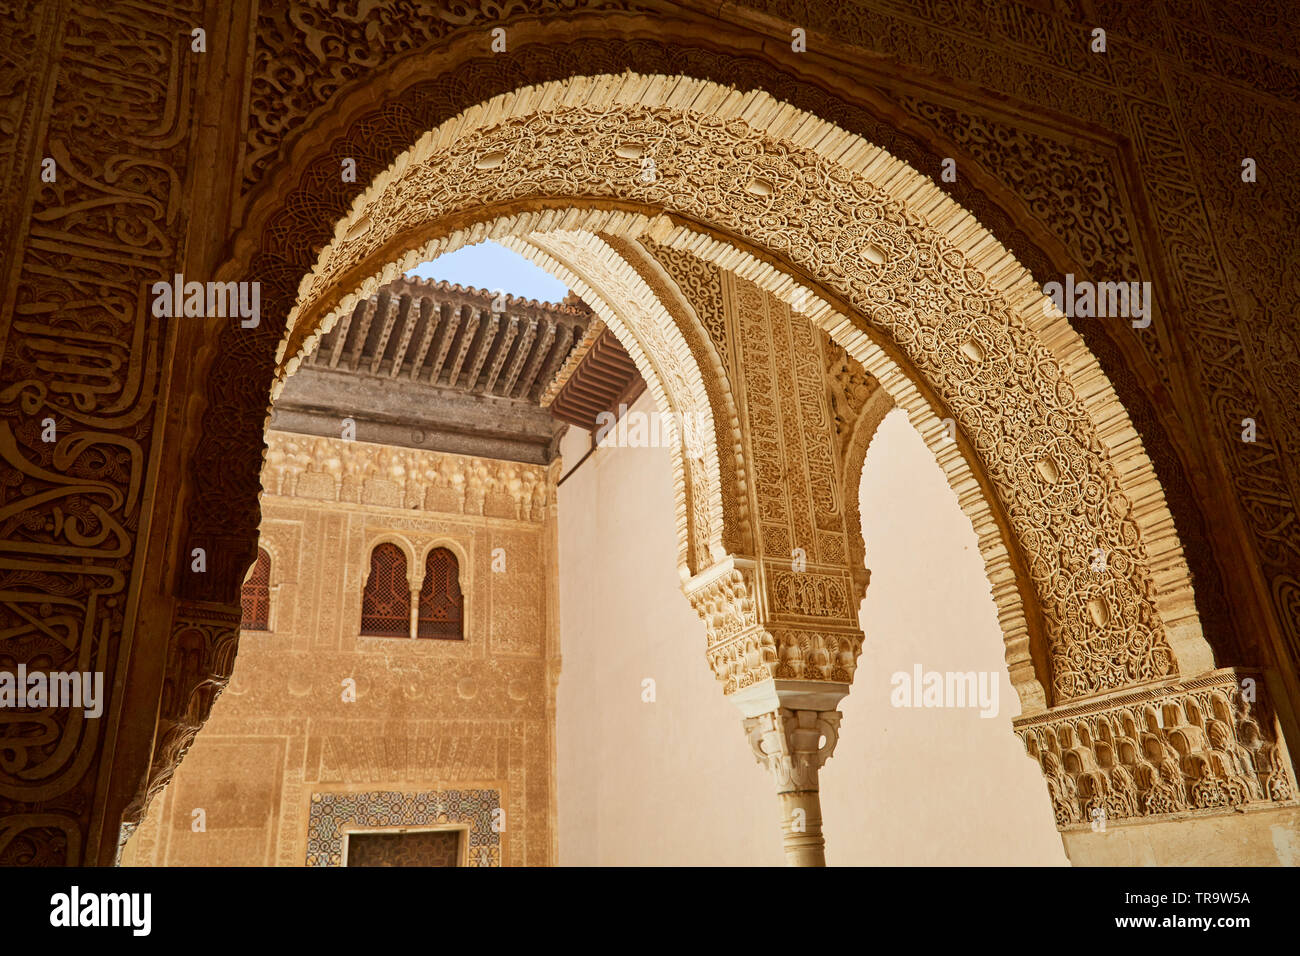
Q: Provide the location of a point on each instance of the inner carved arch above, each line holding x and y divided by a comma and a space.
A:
872, 412
692, 296
915, 281
641, 322
634, 313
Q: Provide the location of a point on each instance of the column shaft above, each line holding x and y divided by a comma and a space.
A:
801, 827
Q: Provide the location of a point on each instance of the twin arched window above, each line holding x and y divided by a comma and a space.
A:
386, 602
256, 595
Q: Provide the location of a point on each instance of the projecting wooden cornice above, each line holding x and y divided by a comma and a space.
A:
600, 379
433, 365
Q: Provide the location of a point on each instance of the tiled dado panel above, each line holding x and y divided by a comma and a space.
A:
333, 814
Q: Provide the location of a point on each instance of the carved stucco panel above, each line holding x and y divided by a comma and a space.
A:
114, 111
1202, 745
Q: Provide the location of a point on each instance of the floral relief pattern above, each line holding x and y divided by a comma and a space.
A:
1202, 746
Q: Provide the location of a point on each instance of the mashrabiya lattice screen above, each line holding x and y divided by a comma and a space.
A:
256, 595
386, 601
442, 605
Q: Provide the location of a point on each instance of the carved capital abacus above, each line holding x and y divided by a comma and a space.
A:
1209, 744
794, 744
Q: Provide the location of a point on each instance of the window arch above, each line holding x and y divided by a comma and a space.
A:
386, 602
442, 605
255, 598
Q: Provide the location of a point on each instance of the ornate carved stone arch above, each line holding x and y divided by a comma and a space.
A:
399, 541
332, 113
452, 544
1020, 616
686, 295
877, 405
959, 311
635, 313
305, 179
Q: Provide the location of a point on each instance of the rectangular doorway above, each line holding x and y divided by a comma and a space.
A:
445, 846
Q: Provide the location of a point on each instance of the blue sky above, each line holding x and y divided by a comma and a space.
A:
490, 266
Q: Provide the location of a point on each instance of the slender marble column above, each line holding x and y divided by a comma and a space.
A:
794, 744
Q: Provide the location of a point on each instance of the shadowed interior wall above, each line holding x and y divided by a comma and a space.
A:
674, 782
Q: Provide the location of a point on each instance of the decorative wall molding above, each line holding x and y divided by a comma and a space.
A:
331, 469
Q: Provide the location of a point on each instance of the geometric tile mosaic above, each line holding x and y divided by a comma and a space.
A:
332, 813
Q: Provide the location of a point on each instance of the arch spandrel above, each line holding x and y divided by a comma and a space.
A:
920, 279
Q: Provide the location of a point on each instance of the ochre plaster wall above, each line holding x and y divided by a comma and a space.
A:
429, 715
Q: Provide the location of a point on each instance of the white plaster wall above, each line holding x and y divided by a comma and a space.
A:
669, 782
928, 786
674, 782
